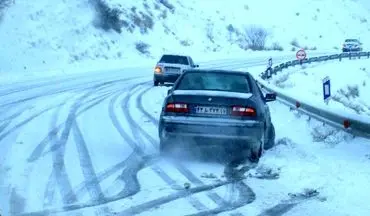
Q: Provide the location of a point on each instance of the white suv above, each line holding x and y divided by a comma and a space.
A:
352, 45
170, 67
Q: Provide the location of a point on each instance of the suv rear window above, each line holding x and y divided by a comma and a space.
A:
214, 81
174, 59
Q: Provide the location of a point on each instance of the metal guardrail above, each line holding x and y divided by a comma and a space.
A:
352, 123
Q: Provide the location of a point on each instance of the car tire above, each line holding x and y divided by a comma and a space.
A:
271, 138
164, 146
156, 83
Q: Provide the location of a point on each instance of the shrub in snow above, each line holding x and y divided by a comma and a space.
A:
294, 43
141, 20
106, 17
277, 46
4, 4
185, 43
167, 5
209, 32
256, 37
143, 48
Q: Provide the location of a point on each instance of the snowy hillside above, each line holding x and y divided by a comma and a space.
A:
44, 35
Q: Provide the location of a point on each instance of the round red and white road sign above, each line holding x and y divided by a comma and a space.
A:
301, 54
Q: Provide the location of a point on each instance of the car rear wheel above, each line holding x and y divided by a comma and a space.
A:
271, 138
164, 146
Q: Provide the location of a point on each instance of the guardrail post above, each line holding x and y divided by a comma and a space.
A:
349, 56
368, 54
340, 57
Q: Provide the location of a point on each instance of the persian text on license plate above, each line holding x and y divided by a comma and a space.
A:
211, 110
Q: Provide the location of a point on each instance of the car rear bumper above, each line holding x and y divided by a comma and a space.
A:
211, 128
166, 77
351, 49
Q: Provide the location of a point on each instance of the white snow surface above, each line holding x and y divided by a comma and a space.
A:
86, 143
45, 38
82, 147
349, 83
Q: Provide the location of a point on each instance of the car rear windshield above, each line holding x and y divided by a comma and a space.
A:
214, 81
174, 59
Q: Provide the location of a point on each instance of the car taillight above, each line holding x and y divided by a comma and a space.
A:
177, 107
158, 69
243, 111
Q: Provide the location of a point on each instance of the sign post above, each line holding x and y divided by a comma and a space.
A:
269, 69
326, 89
301, 55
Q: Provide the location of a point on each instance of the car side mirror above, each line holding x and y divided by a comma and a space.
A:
270, 97
169, 91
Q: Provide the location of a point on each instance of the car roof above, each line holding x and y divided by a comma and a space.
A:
216, 71
349, 39
175, 55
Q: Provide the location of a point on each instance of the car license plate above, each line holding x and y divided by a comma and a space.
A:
210, 110
171, 70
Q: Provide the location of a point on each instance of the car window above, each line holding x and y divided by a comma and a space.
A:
174, 59
261, 93
214, 81
191, 61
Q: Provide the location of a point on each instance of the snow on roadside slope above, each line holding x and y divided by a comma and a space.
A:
350, 84
52, 35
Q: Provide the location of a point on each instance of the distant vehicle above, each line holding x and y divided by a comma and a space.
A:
207, 106
352, 45
170, 67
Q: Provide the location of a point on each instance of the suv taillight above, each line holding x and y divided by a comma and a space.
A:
177, 108
243, 111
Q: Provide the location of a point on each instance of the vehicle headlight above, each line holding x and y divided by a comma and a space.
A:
157, 69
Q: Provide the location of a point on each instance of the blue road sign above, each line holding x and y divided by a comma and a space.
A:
326, 89
269, 63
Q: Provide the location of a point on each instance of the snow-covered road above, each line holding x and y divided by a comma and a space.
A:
89, 145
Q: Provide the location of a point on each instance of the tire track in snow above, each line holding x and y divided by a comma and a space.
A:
59, 174
285, 206
246, 196
223, 204
39, 151
88, 171
143, 207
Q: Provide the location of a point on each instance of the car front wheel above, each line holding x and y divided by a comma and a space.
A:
156, 83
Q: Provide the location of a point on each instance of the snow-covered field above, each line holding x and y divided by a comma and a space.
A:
44, 37
89, 146
350, 84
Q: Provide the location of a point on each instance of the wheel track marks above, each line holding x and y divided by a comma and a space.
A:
286, 205
37, 153
246, 196
59, 171
88, 171
172, 197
